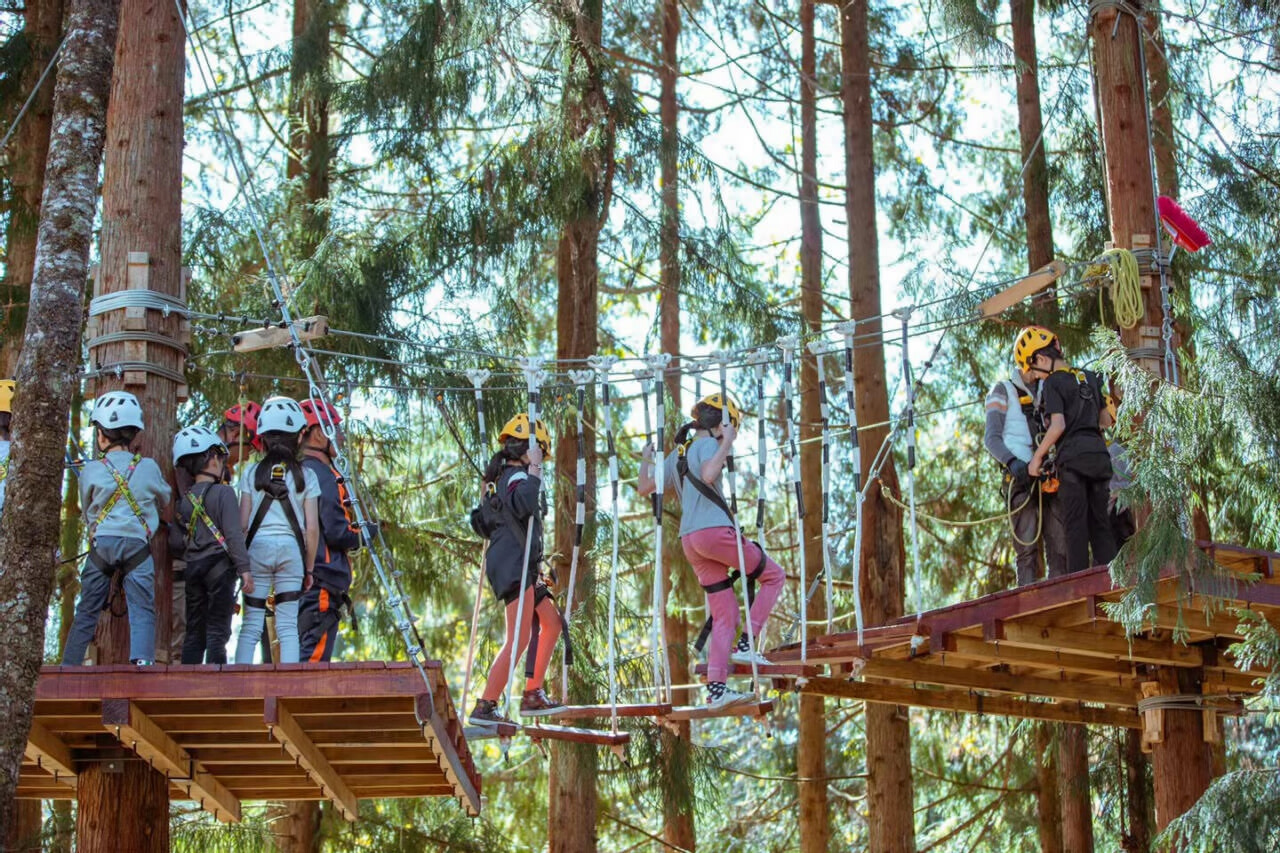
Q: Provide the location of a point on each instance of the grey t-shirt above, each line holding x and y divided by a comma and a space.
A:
697, 511
275, 523
146, 484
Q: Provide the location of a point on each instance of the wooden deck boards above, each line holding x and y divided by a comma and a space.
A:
340, 732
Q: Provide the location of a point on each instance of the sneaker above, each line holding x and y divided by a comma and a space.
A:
725, 697
535, 703
141, 662
749, 657
486, 713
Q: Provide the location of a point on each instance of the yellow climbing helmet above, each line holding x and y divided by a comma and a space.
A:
715, 402
1030, 341
518, 427
7, 387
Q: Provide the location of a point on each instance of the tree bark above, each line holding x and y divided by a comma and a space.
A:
24, 832
678, 814
1035, 179
1163, 141
1137, 793
42, 26
1077, 815
310, 158
1048, 806
811, 745
573, 797
122, 808
889, 784
48, 372
297, 827
1181, 763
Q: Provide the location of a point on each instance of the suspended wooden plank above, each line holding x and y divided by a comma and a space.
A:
1021, 289
588, 712
595, 736
702, 712
308, 329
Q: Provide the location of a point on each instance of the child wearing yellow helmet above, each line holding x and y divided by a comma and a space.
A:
512, 497
709, 539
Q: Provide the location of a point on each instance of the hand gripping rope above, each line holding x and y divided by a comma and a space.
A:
788, 346
846, 331
657, 365
904, 314
478, 378
580, 380
819, 350
732, 477
534, 377
602, 364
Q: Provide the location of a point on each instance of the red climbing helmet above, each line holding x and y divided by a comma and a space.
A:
318, 410
246, 417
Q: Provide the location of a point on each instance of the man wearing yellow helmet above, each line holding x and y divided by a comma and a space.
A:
6, 414
710, 540
1072, 401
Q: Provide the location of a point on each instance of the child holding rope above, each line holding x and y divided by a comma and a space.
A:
709, 539
512, 498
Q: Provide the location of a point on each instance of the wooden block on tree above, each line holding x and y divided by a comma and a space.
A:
308, 329
1152, 720
138, 276
135, 319
135, 378
1021, 289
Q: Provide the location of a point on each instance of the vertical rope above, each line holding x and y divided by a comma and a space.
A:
908, 383
788, 346
602, 364
580, 379
655, 501
534, 376
819, 350
478, 378
846, 331
732, 478
658, 363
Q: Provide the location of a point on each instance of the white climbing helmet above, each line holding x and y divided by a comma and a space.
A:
116, 410
195, 439
281, 414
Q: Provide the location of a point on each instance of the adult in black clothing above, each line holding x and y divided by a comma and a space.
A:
320, 609
1073, 405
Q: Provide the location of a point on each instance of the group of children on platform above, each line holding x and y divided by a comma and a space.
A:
286, 526
1046, 426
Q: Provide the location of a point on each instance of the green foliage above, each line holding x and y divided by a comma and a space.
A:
1240, 813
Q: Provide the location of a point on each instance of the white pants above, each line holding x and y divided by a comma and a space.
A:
275, 562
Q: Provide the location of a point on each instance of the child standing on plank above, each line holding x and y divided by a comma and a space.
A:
208, 533
121, 493
709, 539
321, 607
512, 489
7, 387
278, 508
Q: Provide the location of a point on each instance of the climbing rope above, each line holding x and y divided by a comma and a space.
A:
580, 380
910, 419
847, 331
602, 365
1124, 285
478, 378
788, 345
657, 637
819, 350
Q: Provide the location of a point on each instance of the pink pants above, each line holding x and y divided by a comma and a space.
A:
713, 552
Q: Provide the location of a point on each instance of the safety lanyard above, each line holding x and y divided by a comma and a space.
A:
122, 490
200, 515
344, 498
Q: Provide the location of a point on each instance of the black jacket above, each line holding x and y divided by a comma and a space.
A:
515, 499
338, 531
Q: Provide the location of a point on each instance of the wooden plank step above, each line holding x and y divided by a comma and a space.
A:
575, 735
702, 712
773, 670
588, 712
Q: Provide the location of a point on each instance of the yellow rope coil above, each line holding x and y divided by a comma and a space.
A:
1125, 286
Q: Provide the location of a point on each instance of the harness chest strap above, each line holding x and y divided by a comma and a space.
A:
122, 490
199, 515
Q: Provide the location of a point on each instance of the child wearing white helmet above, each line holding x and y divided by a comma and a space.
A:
120, 494
209, 536
282, 530
6, 412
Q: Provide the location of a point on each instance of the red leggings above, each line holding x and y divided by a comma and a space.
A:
713, 552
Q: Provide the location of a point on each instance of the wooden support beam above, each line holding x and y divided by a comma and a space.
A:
1000, 682
1093, 645
308, 329
971, 702
138, 732
702, 712
51, 755
283, 727
1020, 290
977, 649
446, 751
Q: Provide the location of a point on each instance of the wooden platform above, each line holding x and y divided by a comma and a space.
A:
226, 734
1050, 650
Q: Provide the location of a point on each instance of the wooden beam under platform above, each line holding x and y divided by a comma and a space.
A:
1094, 644
51, 755
285, 729
971, 702
136, 731
999, 682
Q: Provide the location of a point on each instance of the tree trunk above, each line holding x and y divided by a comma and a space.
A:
1181, 763
1137, 794
48, 372
1077, 815
1048, 806
678, 814
573, 797
1035, 179
24, 832
1164, 146
310, 158
889, 785
42, 26
297, 827
811, 745
122, 805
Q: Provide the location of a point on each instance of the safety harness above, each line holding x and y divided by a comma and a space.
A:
277, 491
117, 570
683, 471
